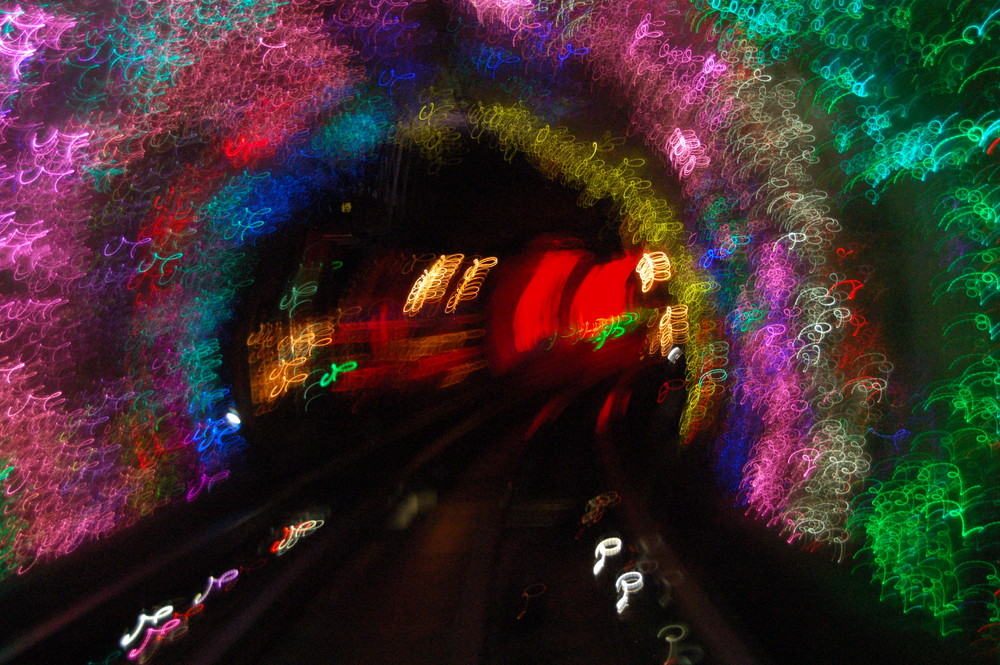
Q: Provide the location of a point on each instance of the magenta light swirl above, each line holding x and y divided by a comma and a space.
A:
107, 416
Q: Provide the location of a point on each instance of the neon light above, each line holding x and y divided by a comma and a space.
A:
672, 634
570, 51
667, 387
431, 285
393, 77
606, 548
213, 583
152, 619
150, 632
855, 285
686, 152
298, 297
536, 315
206, 480
335, 371
653, 267
603, 293
614, 327
628, 584
672, 329
293, 534
472, 281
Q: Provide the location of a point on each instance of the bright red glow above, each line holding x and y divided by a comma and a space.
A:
537, 313
242, 151
603, 292
259, 135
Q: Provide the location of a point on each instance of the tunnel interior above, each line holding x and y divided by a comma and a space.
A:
498, 331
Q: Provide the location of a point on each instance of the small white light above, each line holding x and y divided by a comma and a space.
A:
605, 548
233, 418
675, 354
628, 584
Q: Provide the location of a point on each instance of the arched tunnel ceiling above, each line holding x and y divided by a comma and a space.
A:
820, 175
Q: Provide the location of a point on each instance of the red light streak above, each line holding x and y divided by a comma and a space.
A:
855, 284
603, 292
537, 314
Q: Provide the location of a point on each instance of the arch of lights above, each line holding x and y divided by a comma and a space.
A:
148, 146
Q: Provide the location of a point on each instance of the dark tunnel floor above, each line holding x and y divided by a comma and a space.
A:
450, 587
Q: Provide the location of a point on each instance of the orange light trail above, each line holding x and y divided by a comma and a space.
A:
430, 287
653, 267
472, 281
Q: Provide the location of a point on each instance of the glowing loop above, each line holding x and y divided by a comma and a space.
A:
672, 330
225, 578
390, 80
628, 584
331, 376
157, 616
653, 267
533, 591
150, 632
496, 58
472, 281
206, 479
298, 297
571, 51
672, 634
293, 534
686, 151
430, 287
675, 632
606, 548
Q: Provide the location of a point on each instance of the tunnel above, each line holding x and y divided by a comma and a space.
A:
499, 332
